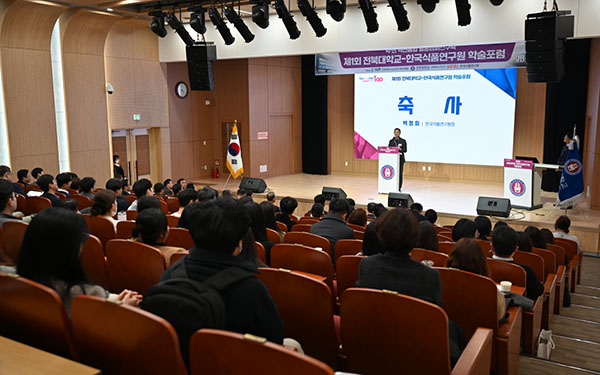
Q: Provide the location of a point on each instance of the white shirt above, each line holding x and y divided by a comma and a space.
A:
504, 259
567, 236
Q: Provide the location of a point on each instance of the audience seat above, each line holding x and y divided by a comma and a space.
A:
131, 214
120, 339
411, 336
72, 191
133, 265
301, 227
570, 248
439, 229
308, 220
575, 250
124, 229
36, 204
130, 198
179, 237
446, 247
34, 314
306, 310
31, 187
60, 195
356, 227
444, 238
273, 236
470, 300
439, 259
551, 284
347, 267
172, 221
281, 226
308, 239
347, 247
82, 201
101, 228
247, 354
93, 262
359, 235
260, 251
562, 275
175, 257
172, 204
164, 207
486, 246
303, 258
13, 232
22, 204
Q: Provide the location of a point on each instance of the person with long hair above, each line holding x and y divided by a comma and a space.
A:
269, 214
468, 256
427, 237
258, 227
105, 205
50, 256
358, 216
151, 228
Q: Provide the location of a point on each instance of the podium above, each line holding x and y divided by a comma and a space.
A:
523, 183
389, 160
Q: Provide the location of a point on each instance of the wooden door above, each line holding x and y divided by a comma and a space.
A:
280, 138
142, 150
119, 145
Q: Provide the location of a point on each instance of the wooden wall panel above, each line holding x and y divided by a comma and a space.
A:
29, 25
121, 103
150, 94
529, 125
281, 160
591, 158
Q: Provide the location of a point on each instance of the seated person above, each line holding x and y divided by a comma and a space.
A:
258, 228
464, 228
50, 256
333, 226
188, 215
561, 230
431, 215
182, 183
537, 240
207, 193
176, 189
269, 215
379, 210
484, 227
63, 180
140, 188
271, 199
371, 210
417, 210
168, 184
524, 243
371, 244
185, 198
151, 228
288, 205
116, 186
6, 174
23, 177
148, 201
105, 205
48, 185
159, 190
241, 193
85, 187
468, 256
36, 173
428, 237
8, 202
317, 211
358, 217
504, 244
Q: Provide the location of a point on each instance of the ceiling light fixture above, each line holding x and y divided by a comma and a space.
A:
260, 13
198, 19
312, 17
400, 14
239, 24
179, 29
428, 5
463, 11
336, 9
496, 2
369, 15
158, 23
218, 21
287, 18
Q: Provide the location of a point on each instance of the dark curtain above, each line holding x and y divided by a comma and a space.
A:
314, 118
566, 106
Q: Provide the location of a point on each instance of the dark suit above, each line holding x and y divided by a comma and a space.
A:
122, 204
402, 274
17, 189
118, 171
534, 287
394, 142
333, 228
53, 198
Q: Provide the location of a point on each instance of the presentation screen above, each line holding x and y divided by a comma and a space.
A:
454, 116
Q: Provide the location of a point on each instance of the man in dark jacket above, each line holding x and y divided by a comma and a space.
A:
400, 143
504, 244
217, 230
333, 227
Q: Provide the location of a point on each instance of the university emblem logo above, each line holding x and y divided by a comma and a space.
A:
387, 172
517, 187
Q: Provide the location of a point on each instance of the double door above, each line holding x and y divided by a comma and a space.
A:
133, 147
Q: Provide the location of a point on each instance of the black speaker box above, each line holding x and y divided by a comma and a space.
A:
199, 60
255, 185
489, 206
332, 193
400, 200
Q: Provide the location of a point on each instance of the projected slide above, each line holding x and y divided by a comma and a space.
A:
454, 116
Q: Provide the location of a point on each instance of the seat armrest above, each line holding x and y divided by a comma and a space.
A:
514, 315
476, 359
550, 284
560, 274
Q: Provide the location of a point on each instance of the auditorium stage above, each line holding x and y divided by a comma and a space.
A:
451, 199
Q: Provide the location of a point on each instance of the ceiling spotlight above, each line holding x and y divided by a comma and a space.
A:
217, 20
312, 17
336, 9
260, 13
463, 10
428, 5
239, 24
369, 15
179, 29
287, 18
496, 2
158, 24
400, 14
198, 19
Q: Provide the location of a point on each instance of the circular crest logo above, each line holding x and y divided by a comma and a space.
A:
517, 187
572, 166
387, 172
234, 149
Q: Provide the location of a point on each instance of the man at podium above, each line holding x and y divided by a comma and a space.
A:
401, 144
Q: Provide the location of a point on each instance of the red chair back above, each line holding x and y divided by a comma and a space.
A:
308, 239
131, 214
504, 271
175, 257
130, 198
439, 259
248, 355
559, 252
308, 220
446, 247
347, 272
124, 229
301, 228
13, 232
172, 221
444, 238
534, 261
34, 314
101, 227
281, 226
82, 201
549, 260
261, 252
347, 247
179, 237
150, 345
172, 204
359, 235
273, 236
359, 228
37, 204
93, 262
133, 265
313, 326
60, 195
164, 207
486, 246
22, 204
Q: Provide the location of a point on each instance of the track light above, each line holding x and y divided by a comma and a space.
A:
179, 29
400, 14
198, 19
428, 5
369, 15
463, 10
217, 20
336, 9
312, 17
158, 24
239, 24
260, 13
496, 2
287, 18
